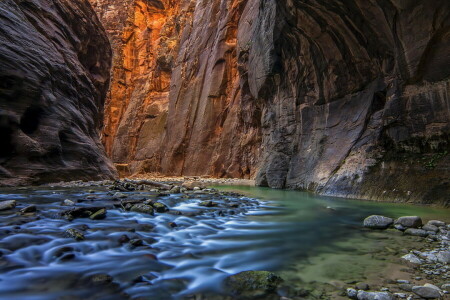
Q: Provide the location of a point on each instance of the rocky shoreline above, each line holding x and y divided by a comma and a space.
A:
428, 266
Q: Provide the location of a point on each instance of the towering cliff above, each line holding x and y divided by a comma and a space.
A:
54, 73
346, 98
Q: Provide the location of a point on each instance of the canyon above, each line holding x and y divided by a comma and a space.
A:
342, 98
54, 73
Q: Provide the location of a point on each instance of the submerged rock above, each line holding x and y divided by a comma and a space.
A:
252, 284
75, 234
409, 221
378, 222
142, 208
28, 209
6, 205
68, 202
208, 203
98, 215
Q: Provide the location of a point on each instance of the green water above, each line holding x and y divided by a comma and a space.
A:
321, 239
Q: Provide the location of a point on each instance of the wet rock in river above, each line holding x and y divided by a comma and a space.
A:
378, 222
426, 292
68, 202
409, 221
443, 257
175, 190
416, 232
75, 234
6, 205
431, 228
28, 209
160, 207
436, 223
173, 224
80, 212
142, 208
362, 295
124, 239
252, 284
208, 203
98, 215
136, 242
352, 293
101, 279
412, 259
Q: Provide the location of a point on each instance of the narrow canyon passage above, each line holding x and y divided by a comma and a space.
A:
224, 149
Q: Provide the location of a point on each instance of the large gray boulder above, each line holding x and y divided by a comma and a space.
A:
426, 292
409, 221
378, 222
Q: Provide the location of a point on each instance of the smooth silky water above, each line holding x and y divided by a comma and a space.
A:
305, 238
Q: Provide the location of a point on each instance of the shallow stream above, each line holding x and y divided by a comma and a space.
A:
192, 248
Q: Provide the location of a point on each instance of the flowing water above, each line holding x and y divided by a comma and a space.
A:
304, 237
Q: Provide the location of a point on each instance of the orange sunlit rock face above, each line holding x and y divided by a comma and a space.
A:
190, 51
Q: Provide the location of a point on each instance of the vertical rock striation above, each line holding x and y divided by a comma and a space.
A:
54, 74
345, 98
361, 107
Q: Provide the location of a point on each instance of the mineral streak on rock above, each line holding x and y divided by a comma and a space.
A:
54, 72
344, 98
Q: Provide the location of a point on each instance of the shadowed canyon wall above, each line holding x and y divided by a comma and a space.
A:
54, 73
345, 98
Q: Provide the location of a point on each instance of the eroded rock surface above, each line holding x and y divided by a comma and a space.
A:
54, 74
344, 98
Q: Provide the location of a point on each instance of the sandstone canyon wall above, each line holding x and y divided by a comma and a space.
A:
346, 98
54, 73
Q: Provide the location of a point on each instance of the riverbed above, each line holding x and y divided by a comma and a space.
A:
315, 243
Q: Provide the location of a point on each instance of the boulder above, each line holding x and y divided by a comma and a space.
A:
6, 205
75, 234
362, 295
436, 223
378, 222
431, 228
426, 292
252, 284
160, 207
409, 221
443, 257
142, 208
